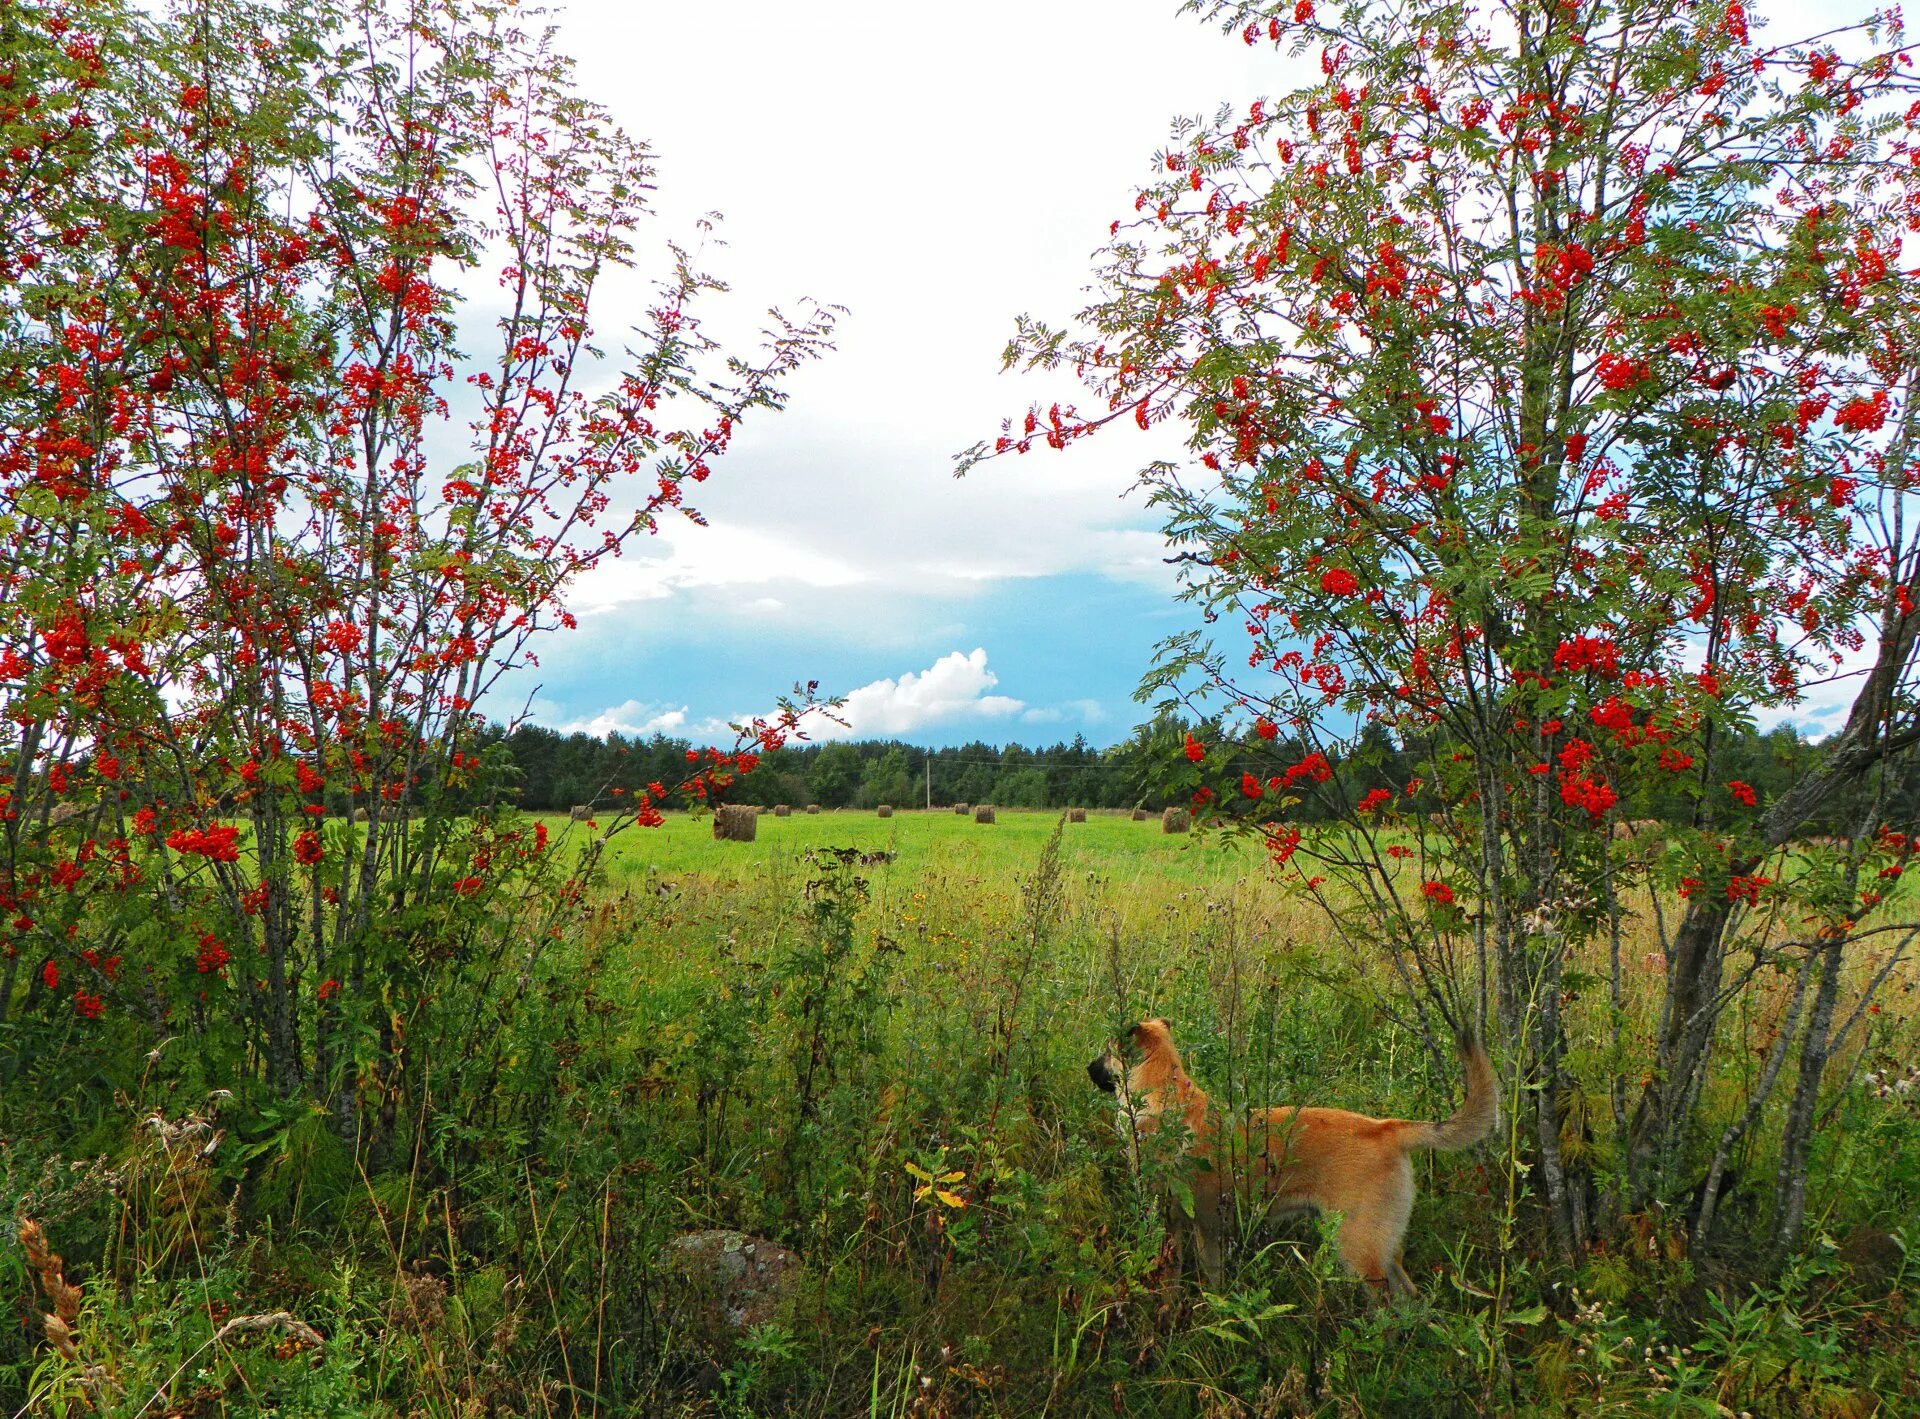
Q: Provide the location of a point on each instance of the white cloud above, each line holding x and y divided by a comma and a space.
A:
631, 718
1086, 712
955, 686
683, 556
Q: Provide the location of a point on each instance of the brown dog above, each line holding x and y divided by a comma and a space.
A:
1294, 1159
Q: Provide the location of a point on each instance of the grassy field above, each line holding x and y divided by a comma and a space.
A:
1003, 850
875, 1058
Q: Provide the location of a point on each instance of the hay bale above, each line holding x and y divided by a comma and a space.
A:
885, 810
1076, 815
813, 807
983, 814
1139, 815
735, 823
580, 813
781, 810
1176, 820
1626, 829
359, 815
963, 808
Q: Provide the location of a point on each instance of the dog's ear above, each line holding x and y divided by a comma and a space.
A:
1150, 1034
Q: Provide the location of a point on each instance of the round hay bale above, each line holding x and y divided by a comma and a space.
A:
1076, 815
580, 813
359, 815
1625, 829
781, 810
1139, 815
885, 810
813, 807
963, 808
983, 814
1176, 820
735, 823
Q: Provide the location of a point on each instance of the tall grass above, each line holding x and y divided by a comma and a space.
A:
789, 1041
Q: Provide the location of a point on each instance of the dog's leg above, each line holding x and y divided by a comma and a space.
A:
1209, 1225
1372, 1235
1368, 1245
1209, 1252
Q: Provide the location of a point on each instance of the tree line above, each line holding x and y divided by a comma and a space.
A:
558, 770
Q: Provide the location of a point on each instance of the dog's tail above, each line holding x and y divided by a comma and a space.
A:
1474, 1119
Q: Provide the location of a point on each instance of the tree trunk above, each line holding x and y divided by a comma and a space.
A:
1762, 1091
1662, 1118
1796, 1143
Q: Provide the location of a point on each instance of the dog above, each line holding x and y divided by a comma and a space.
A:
1292, 1160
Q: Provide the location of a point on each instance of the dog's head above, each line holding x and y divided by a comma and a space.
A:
1131, 1048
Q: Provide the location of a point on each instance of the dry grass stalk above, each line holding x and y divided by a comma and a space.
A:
1176, 820
983, 814
735, 823
297, 1330
59, 1323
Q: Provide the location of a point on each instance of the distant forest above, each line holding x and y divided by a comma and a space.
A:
560, 770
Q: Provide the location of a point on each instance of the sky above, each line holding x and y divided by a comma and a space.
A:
937, 170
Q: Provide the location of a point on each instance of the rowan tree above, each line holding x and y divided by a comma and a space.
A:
309, 417
1545, 372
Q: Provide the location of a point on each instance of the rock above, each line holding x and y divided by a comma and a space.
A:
723, 1283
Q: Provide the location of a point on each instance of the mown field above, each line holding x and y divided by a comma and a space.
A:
875, 1058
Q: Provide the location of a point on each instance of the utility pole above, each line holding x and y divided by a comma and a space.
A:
929, 780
